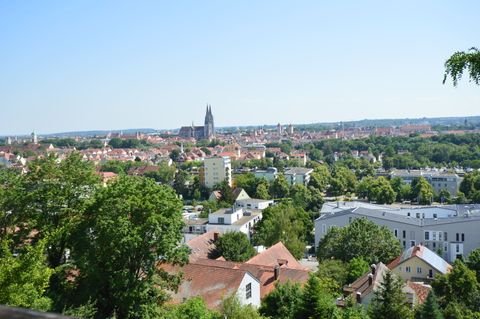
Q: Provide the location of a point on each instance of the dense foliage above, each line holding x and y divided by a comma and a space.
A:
360, 239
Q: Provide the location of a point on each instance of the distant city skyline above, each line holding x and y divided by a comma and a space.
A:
87, 65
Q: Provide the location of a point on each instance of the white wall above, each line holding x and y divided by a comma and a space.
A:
254, 300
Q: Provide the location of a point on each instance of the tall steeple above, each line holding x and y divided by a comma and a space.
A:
209, 128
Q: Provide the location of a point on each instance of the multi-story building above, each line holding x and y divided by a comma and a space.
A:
216, 170
451, 231
298, 175
438, 180
270, 174
233, 219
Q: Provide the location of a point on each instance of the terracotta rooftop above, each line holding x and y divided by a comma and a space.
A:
265, 274
273, 255
421, 290
202, 246
207, 281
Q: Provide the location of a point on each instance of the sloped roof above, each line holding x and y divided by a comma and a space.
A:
424, 254
265, 274
202, 246
272, 255
237, 191
362, 284
421, 290
211, 283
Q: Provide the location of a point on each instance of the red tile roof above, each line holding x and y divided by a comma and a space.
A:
209, 282
202, 246
273, 255
421, 290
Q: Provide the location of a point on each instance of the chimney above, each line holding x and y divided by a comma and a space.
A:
359, 297
373, 268
215, 236
276, 272
370, 279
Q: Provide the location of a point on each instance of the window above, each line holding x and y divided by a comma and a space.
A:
404, 244
445, 236
412, 234
463, 237
248, 291
408, 269
419, 270
404, 234
221, 220
418, 215
412, 243
395, 231
434, 215
427, 235
458, 237
440, 236
434, 235
457, 248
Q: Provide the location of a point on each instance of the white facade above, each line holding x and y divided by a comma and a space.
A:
230, 219
449, 236
217, 170
248, 292
253, 203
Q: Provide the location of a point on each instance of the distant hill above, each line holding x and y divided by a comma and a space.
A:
443, 123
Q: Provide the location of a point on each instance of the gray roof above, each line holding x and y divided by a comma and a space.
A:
427, 256
391, 216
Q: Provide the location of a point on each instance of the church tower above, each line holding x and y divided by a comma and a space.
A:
209, 128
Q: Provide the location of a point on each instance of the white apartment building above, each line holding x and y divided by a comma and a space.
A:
217, 170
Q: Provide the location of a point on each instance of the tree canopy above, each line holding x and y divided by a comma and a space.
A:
460, 62
362, 239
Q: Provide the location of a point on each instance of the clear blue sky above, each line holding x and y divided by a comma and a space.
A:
88, 64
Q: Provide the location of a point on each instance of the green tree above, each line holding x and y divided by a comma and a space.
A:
24, 279
165, 174
55, 195
234, 246
361, 238
283, 302
459, 286
473, 262
389, 300
232, 309
262, 190
284, 223
461, 61
317, 301
300, 195
356, 267
193, 308
422, 191
320, 178
382, 192
430, 308
333, 269
248, 182
131, 226
280, 187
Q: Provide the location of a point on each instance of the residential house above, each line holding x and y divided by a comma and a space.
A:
418, 263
